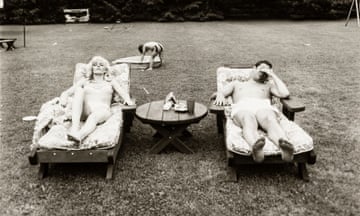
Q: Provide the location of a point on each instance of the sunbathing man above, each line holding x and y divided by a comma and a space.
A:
252, 107
92, 99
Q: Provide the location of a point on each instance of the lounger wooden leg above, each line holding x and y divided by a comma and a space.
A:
43, 170
289, 115
128, 121
110, 171
219, 122
10, 46
231, 173
33, 157
303, 173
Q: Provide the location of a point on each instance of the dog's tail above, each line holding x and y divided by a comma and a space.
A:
140, 48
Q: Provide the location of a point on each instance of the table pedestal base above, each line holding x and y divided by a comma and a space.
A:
171, 135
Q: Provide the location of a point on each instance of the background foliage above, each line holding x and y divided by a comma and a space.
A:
51, 11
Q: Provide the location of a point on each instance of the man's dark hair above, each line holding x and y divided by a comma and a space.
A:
263, 62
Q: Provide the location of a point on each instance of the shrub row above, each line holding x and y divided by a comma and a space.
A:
51, 11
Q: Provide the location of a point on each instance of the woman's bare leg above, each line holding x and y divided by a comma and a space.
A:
92, 120
77, 109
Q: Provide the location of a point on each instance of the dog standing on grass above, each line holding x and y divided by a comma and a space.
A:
152, 48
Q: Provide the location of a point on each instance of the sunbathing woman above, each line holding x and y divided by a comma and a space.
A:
92, 99
252, 107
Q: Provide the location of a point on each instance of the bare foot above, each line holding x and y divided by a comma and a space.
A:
71, 143
287, 150
72, 136
257, 150
146, 69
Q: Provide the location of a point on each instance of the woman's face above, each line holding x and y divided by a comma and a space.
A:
98, 66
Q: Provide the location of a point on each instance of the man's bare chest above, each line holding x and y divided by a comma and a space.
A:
249, 89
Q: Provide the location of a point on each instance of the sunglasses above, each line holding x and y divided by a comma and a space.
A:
97, 64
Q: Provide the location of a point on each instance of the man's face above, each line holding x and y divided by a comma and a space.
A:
259, 75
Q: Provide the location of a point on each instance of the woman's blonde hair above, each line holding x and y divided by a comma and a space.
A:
98, 58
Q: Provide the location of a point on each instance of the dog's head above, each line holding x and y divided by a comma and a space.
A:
140, 48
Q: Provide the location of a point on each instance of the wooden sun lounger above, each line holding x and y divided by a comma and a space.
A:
290, 106
9, 42
44, 157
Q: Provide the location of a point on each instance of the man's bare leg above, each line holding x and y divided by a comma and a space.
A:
268, 121
247, 121
151, 63
287, 150
258, 150
142, 57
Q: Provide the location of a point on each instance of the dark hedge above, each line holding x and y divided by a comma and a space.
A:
51, 11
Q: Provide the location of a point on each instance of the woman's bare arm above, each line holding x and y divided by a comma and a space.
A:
122, 92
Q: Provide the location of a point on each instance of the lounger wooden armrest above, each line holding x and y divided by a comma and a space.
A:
127, 108
128, 116
226, 74
220, 115
291, 105
215, 108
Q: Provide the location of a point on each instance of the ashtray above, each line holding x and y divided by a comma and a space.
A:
180, 107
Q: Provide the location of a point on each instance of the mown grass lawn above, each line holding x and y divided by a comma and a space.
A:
318, 60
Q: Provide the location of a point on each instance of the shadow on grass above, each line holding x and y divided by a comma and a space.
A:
97, 170
266, 170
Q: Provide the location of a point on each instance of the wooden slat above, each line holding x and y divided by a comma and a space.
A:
142, 111
155, 112
274, 159
7, 40
86, 156
185, 116
214, 108
127, 108
200, 109
170, 116
293, 105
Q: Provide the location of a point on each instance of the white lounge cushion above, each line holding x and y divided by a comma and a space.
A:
236, 143
105, 136
53, 120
